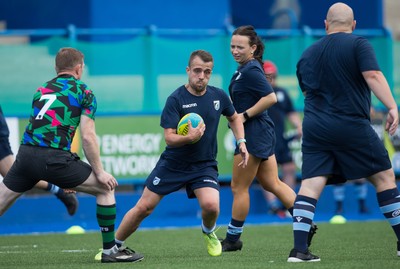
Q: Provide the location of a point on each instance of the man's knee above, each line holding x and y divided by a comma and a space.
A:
144, 209
7, 198
383, 180
210, 207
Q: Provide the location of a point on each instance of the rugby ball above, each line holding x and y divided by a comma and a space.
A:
183, 127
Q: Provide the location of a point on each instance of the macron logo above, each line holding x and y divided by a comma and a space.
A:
299, 219
189, 105
211, 181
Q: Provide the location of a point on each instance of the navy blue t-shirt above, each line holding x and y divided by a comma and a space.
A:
338, 99
209, 106
4, 132
278, 113
248, 85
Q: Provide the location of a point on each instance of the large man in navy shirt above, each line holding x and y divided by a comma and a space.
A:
337, 74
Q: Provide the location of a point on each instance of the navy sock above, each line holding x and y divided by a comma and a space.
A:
303, 215
52, 188
235, 230
389, 203
291, 211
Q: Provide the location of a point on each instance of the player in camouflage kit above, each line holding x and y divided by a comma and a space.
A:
58, 108
7, 159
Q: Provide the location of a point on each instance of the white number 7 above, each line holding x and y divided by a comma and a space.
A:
46, 106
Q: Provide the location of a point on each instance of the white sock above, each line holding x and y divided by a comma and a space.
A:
114, 249
207, 230
119, 242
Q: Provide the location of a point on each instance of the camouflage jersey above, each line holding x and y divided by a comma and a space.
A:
56, 110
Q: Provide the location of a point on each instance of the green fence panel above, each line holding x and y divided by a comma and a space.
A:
133, 78
137, 75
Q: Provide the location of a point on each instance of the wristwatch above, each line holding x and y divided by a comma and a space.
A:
245, 115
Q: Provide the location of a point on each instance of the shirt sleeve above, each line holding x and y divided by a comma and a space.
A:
257, 82
88, 103
170, 114
228, 108
366, 56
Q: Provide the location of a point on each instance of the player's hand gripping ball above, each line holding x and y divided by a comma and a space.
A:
183, 127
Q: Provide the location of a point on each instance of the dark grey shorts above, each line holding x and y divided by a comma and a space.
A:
62, 168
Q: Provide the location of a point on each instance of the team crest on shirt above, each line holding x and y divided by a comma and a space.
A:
216, 105
238, 76
156, 180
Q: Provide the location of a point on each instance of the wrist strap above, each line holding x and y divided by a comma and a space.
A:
246, 116
240, 140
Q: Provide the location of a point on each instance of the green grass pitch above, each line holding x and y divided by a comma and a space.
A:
351, 245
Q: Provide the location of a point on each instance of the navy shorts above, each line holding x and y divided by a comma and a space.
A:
260, 136
169, 176
283, 154
60, 167
5, 148
350, 164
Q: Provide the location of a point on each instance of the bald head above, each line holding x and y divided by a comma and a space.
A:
340, 18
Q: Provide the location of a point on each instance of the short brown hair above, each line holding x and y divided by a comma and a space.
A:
202, 54
68, 58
